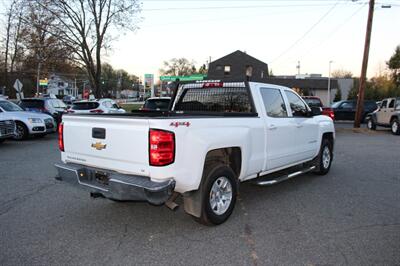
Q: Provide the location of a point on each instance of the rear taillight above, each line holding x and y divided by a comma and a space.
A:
161, 147
332, 115
97, 111
61, 136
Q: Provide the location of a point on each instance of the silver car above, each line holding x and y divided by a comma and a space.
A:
27, 123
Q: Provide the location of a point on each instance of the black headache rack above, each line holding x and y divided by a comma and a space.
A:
225, 98
223, 104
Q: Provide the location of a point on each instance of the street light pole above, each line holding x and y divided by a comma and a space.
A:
363, 77
329, 84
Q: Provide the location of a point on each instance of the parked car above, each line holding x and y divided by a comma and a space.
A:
156, 104
387, 115
215, 135
346, 110
105, 106
27, 123
314, 101
7, 128
50, 106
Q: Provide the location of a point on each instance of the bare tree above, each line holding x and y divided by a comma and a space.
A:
11, 39
342, 73
178, 67
88, 27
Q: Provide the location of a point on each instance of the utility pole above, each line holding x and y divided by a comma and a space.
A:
329, 84
38, 79
363, 77
298, 67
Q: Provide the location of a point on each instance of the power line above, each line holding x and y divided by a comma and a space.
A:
232, 7
306, 33
333, 32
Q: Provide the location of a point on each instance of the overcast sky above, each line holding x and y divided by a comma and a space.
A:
279, 33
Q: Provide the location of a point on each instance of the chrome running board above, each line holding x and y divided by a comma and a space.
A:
274, 181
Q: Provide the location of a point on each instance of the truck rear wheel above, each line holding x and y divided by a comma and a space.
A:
370, 123
324, 159
219, 195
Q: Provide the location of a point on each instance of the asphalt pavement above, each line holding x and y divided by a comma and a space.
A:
349, 217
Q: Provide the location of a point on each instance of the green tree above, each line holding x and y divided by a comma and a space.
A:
338, 95
394, 66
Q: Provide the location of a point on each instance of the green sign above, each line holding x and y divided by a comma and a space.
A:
43, 82
183, 78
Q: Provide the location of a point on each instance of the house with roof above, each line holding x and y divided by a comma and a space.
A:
241, 66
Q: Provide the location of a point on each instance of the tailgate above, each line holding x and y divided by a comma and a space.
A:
114, 143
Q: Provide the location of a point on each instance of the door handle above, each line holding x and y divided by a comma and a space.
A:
299, 125
272, 127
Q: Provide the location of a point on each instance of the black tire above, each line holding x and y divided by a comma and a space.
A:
2, 140
370, 123
395, 126
217, 173
326, 148
22, 132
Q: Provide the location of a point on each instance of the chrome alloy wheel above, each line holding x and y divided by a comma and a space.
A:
220, 195
326, 157
395, 127
19, 133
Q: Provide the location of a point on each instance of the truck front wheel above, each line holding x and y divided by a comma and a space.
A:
325, 156
218, 195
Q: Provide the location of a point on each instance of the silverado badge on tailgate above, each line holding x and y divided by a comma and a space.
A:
99, 146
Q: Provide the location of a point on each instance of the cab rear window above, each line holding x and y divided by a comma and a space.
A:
221, 100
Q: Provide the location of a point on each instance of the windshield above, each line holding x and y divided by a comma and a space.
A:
85, 106
9, 106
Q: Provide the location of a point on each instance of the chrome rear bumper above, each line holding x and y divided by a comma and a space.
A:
116, 186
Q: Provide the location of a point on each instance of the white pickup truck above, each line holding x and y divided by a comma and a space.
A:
214, 136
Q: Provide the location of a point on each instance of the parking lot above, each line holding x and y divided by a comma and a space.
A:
349, 217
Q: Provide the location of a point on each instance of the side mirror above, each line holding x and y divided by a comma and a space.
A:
316, 111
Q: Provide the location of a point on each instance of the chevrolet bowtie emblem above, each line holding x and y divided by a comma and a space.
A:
99, 146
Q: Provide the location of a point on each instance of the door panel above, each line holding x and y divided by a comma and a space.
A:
381, 114
306, 128
279, 131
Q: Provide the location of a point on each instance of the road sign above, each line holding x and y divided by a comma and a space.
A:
43, 82
183, 78
18, 85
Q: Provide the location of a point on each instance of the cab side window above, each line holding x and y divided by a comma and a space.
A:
391, 103
299, 109
384, 104
273, 102
397, 104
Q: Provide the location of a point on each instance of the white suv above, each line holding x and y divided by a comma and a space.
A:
101, 106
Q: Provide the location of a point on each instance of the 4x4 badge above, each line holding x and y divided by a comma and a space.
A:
99, 146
